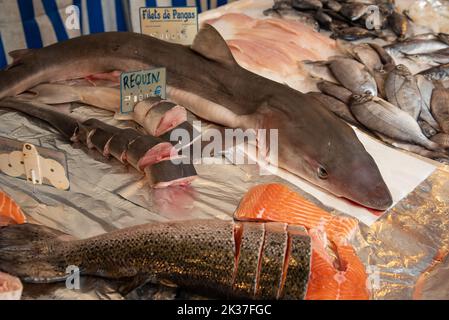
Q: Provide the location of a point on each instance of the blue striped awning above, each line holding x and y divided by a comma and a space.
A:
38, 23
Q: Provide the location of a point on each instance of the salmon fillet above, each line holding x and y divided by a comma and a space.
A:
336, 271
276, 202
10, 212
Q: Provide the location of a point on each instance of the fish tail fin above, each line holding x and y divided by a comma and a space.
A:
27, 251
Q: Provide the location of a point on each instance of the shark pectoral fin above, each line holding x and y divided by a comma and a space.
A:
211, 45
54, 94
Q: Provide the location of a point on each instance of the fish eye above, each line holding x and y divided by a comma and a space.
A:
367, 92
322, 173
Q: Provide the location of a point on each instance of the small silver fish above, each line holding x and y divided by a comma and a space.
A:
353, 75
385, 118
425, 89
414, 46
440, 72
440, 107
402, 90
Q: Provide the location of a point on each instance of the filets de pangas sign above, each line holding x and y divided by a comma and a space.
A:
172, 24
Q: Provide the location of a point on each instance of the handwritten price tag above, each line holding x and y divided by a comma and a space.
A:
172, 24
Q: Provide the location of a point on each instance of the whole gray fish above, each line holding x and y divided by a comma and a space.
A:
415, 46
425, 89
207, 81
363, 53
353, 76
402, 90
140, 151
387, 119
336, 91
218, 258
440, 72
440, 107
336, 106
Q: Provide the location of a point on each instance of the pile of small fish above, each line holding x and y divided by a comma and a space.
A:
349, 20
425, 49
367, 89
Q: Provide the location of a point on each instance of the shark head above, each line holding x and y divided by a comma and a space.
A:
312, 143
317, 146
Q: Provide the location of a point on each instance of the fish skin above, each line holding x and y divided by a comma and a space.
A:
426, 87
333, 5
353, 11
444, 37
434, 59
198, 255
385, 57
353, 76
415, 46
220, 91
166, 173
385, 118
440, 72
365, 54
399, 24
306, 4
353, 34
380, 77
427, 129
402, 90
334, 90
439, 107
335, 106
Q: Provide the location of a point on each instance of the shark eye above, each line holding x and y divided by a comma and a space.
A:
322, 173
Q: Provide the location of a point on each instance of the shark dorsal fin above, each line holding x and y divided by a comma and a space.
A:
211, 45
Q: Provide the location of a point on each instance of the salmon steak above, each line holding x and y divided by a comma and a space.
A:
336, 271
10, 212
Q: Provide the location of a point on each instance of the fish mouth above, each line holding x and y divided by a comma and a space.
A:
377, 198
